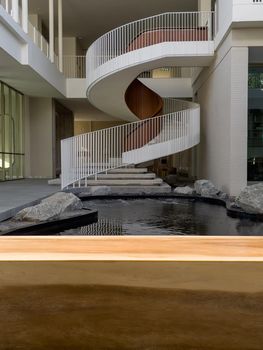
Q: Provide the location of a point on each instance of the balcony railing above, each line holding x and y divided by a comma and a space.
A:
33, 32
74, 67
131, 37
38, 39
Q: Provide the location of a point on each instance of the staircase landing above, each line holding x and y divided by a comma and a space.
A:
122, 182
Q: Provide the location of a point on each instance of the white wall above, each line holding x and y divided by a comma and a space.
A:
39, 138
224, 14
247, 11
222, 93
174, 87
76, 88
35, 21
237, 14
204, 5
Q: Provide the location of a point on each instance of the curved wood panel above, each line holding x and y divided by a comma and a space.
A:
142, 101
143, 134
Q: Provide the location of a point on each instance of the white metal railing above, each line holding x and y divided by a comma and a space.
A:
167, 27
7, 5
33, 32
74, 66
133, 143
38, 39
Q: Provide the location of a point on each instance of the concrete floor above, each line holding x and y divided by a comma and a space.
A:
14, 194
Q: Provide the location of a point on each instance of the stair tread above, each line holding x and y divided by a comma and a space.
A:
128, 170
127, 182
120, 176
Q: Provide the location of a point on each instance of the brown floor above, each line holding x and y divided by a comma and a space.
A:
107, 317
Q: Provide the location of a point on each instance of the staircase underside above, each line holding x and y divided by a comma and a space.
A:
104, 92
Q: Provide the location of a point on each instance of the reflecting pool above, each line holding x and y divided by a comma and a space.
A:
164, 217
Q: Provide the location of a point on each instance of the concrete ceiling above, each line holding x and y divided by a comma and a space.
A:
89, 19
24, 78
84, 111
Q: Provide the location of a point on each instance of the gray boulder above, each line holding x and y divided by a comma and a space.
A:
206, 188
186, 190
50, 208
223, 196
251, 199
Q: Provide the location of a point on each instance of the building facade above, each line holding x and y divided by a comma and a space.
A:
64, 75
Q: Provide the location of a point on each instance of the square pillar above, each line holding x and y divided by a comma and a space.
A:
60, 35
15, 10
238, 120
51, 30
25, 15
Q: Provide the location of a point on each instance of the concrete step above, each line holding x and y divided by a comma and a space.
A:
128, 171
127, 182
98, 191
54, 182
112, 176
125, 176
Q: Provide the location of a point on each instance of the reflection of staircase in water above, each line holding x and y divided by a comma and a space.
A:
104, 227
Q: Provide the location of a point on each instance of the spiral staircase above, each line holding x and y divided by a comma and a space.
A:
155, 127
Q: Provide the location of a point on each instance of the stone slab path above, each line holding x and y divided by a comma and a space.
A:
19, 193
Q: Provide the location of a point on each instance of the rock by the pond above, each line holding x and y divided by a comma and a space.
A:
186, 190
171, 179
223, 196
251, 199
50, 208
206, 188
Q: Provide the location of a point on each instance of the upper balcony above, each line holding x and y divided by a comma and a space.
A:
248, 11
25, 55
237, 14
182, 39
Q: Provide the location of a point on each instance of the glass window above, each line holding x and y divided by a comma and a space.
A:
255, 123
255, 78
11, 134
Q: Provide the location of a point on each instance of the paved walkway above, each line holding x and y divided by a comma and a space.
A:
15, 194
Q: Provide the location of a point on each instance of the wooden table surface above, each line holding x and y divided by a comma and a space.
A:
131, 248
131, 293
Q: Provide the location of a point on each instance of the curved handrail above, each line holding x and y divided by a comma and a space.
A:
100, 151
166, 27
176, 130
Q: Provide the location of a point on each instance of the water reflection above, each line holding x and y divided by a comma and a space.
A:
164, 217
104, 227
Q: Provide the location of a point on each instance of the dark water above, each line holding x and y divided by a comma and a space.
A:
164, 217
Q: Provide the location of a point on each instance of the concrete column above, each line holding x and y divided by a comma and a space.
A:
51, 30
238, 119
15, 10
205, 6
60, 35
7, 5
25, 15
